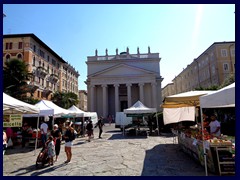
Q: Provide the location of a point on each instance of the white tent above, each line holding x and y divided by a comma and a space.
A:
15, 106
140, 108
48, 108
76, 111
224, 97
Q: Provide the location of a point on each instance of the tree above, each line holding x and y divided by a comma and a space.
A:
65, 100
15, 77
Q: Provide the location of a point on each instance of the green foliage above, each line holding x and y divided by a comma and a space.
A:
65, 100
229, 80
15, 77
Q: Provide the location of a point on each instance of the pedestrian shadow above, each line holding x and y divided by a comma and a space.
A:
79, 143
122, 136
48, 169
170, 160
25, 169
16, 150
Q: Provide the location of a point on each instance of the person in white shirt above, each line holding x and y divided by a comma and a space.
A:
214, 126
44, 131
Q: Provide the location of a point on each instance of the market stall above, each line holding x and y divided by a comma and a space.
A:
14, 107
222, 98
183, 107
140, 109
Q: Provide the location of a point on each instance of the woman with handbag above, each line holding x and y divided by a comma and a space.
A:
4, 142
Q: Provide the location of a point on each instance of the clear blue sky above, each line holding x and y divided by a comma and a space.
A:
179, 33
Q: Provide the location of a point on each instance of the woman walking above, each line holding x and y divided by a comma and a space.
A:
69, 137
57, 139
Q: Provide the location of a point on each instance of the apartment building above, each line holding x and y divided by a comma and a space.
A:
212, 67
50, 72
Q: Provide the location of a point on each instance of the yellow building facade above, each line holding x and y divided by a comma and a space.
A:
50, 72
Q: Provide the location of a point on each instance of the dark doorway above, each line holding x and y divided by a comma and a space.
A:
124, 105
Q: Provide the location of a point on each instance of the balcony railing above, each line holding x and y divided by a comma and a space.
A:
41, 71
53, 78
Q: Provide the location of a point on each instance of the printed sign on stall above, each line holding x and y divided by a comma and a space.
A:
13, 120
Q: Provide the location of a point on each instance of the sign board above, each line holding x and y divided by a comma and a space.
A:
13, 120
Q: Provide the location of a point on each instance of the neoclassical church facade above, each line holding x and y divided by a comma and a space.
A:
116, 82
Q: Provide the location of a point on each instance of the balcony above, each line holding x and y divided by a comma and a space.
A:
32, 86
47, 90
42, 72
53, 78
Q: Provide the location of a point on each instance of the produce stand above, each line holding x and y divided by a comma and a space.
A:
219, 153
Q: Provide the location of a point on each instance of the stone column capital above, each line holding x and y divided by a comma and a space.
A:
92, 86
104, 85
129, 84
141, 84
116, 85
153, 83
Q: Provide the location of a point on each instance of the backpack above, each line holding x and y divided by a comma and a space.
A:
74, 135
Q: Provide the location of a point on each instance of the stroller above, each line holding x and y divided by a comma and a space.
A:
42, 158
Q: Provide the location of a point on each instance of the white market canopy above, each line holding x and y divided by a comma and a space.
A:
48, 108
15, 106
76, 111
139, 108
224, 97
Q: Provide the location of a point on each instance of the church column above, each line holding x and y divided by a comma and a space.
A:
92, 89
141, 92
154, 94
129, 94
105, 106
116, 97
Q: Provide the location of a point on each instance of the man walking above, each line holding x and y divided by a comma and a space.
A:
100, 125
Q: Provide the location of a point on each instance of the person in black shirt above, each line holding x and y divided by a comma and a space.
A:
89, 128
69, 136
100, 125
57, 139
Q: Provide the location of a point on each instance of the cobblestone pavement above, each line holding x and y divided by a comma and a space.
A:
113, 155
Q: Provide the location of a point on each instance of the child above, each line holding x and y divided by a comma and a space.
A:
51, 150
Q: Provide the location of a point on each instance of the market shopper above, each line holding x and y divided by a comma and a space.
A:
4, 142
100, 125
44, 131
214, 126
69, 136
57, 135
89, 128
51, 149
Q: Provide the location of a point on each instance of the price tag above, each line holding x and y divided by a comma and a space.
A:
194, 142
207, 145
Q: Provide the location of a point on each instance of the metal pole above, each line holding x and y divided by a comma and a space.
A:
36, 142
204, 150
157, 122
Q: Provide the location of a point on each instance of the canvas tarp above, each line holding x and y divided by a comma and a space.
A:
175, 115
15, 106
224, 97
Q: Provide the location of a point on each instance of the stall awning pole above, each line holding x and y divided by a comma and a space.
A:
204, 149
36, 141
157, 122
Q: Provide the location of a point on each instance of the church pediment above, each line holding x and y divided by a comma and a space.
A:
122, 70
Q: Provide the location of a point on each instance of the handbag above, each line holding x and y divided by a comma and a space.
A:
10, 143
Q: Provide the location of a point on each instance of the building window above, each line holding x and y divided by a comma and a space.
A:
8, 57
34, 61
19, 56
48, 58
223, 52
53, 62
38, 93
40, 63
20, 45
7, 46
34, 48
225, 67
